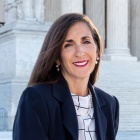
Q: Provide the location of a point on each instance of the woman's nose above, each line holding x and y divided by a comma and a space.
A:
79, 51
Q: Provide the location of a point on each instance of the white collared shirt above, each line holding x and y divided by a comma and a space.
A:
86, 123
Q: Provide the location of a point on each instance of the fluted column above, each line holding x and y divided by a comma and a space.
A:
52, 10
68, 6
135, 28
56, 8
117, 31
95, 9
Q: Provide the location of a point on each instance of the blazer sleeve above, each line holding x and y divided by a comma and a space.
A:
32, 120
116, 120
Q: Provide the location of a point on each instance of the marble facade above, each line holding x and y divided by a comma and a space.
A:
26, 24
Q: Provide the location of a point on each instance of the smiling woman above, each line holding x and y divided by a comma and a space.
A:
61, 101
78, 57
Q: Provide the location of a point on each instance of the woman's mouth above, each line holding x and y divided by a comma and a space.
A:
80, 63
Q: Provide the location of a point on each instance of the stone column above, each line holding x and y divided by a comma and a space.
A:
135, 27
55, 8
68, 6
95, 9
117, 31
52, 10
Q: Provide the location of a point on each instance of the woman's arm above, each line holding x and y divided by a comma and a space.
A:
32, 120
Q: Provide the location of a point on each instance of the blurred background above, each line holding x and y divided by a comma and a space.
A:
23, 26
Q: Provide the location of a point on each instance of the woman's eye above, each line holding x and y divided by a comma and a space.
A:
86, 42
67, 45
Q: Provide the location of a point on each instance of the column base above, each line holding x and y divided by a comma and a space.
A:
119, 58
119, 54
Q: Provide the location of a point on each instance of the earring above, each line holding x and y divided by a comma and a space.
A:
97, 59
57, 66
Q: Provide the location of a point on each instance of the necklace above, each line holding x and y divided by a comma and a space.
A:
90, 105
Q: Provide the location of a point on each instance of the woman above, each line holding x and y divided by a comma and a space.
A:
61, 101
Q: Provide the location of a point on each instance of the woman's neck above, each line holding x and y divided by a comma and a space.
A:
78, 86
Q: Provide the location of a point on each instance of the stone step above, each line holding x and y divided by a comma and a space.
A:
122, 79
130, 107
121, 91
129, 127
128, 118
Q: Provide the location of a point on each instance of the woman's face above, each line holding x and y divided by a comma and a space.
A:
78, 53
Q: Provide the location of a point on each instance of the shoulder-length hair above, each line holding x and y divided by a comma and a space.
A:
45, 70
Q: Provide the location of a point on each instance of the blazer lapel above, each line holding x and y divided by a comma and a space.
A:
100, 119
61, 92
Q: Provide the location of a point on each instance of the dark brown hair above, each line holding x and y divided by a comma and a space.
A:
45, 70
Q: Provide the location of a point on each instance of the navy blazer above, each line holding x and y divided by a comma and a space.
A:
47, 112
